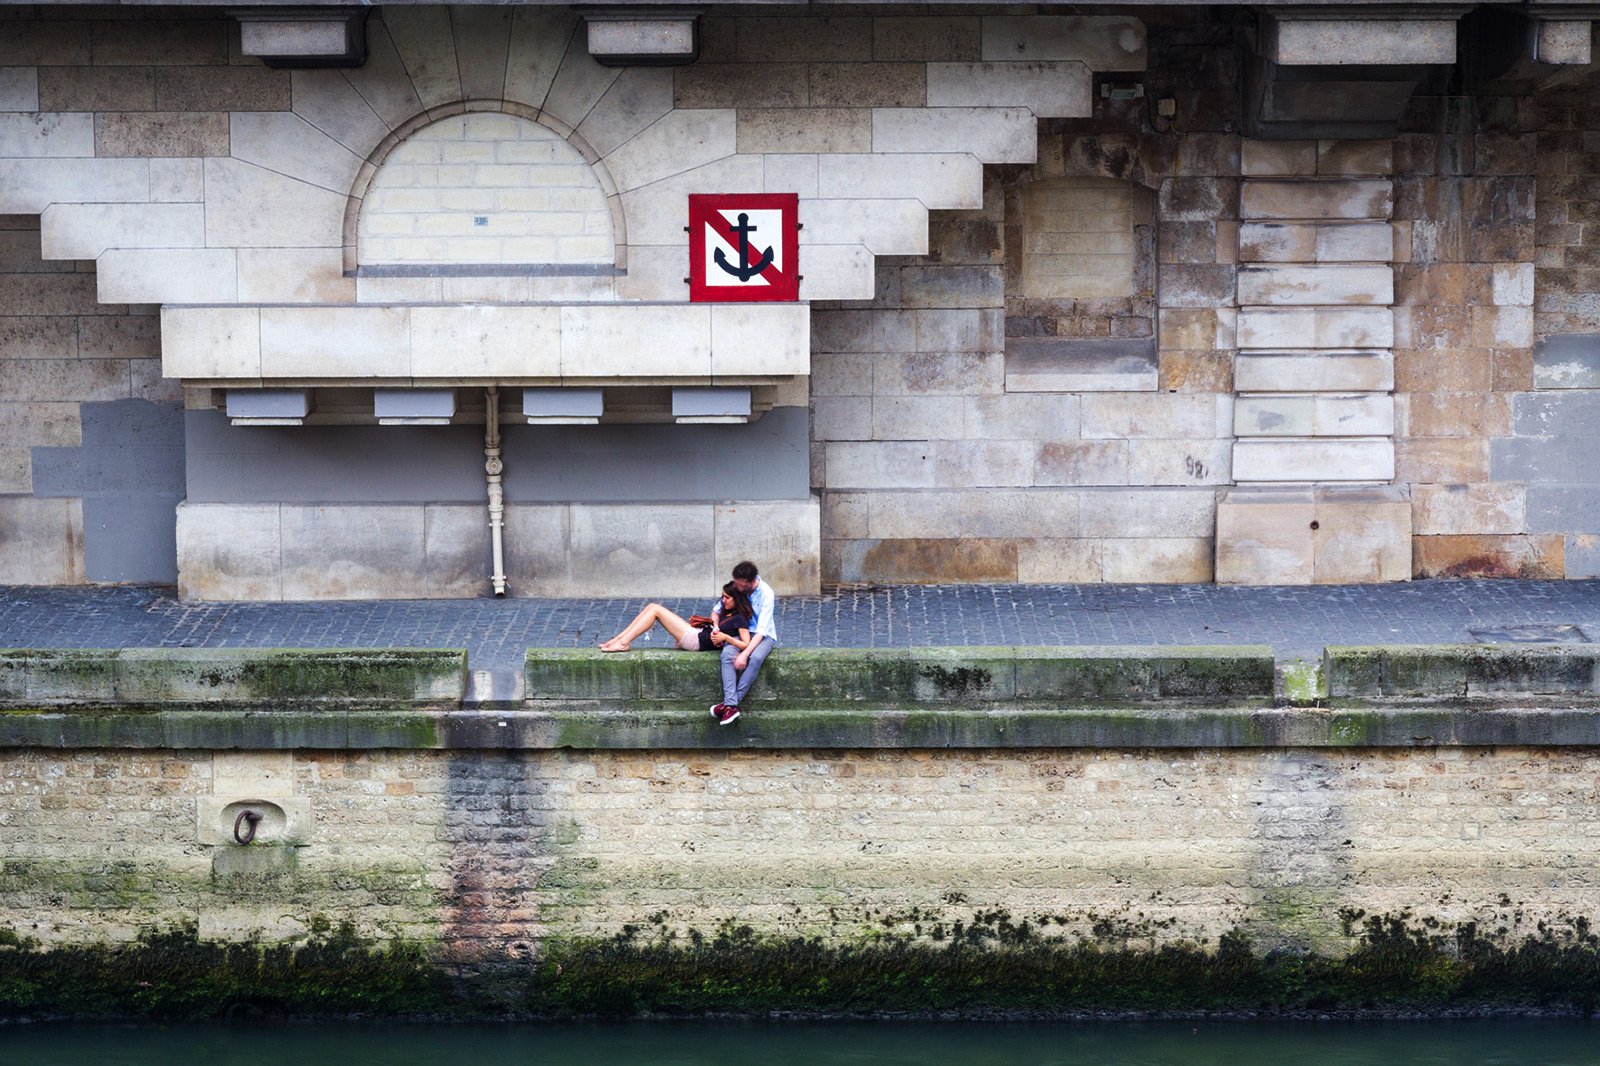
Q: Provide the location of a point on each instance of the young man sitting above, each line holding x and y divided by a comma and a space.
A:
739, 668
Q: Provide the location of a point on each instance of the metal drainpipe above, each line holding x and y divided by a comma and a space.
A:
492, 466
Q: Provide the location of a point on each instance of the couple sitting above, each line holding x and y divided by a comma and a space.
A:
741, 624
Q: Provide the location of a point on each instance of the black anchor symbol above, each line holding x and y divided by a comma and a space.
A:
746, 269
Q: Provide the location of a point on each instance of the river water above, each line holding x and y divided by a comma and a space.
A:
1456, 1043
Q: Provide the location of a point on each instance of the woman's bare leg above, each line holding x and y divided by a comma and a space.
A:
652, 614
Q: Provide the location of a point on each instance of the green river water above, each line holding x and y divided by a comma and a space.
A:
1456, 1043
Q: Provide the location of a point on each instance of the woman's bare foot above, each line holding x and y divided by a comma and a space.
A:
613, 645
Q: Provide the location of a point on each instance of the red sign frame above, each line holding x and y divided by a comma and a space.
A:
705, 212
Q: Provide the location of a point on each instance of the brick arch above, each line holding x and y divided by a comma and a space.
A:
364, 183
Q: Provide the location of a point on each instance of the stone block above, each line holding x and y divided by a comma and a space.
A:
168, 275
880, 465
294, 275
893, 515
1537, 557
918, 418
783, 536
19, 90
177, 181
322, 343
1277, 242
28, 186
119, 337
936, 287
867, 84
1147, 513
837, 272
728, 85
655, 213
538, 554
993, 134
44, 136
1444, 460
1321, 284
1467, 509
176, 41
1179, 462
1157, 560
426, 43
1073, 462
1198, 199
1279, 415
960, 373
608, 341
1560, 508
94, 89
1101, 43
817, 129
644, 550
1338, 199
1014, 416
540, 38
1169, 415
1350, 159
804, 38
485, 342
1362, 415
923, 38
1457, 414
1511, 284
239, 88
982, 463
160, 133
383, 82
287, 144
675, 143
85, 231
455, 551
1192, 329
46, 43
639, 97
250, 207
327, 100
928, 561
1364, 41
1264, 537
1502, 327
39, 423
938, 180
1567, 362
1029, 513
1355, 242
1362, 536
211, 342
1048, 364
845, 514
1344, 327
37, 336
1053, 561
1194, 285
1563, 41
353, 552
1277, 158
41, 540
52, 294
1195, 371
1048, 89
1582, 555
1559, 414
1269, 460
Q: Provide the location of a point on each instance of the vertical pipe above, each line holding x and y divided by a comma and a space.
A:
493, 467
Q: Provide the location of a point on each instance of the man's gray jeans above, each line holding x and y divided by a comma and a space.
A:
736, 684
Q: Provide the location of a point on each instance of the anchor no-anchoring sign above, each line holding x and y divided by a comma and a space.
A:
744, 246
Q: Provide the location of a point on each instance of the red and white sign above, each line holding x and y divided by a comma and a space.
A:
744, 246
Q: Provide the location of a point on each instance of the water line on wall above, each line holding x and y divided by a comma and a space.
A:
493, 467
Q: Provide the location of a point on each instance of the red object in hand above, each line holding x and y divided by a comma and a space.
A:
699, 621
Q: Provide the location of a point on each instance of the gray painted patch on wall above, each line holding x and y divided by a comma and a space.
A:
129, 471
765, 460
1567, 362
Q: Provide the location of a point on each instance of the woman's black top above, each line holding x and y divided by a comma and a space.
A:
731, 624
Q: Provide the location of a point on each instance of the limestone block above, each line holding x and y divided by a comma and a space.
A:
174, 181
718, 84
482, 38
37, 336
867, 84
1512, 284
1048, 89
936, 286
1362, 415
1355, 158
817, 129
1366, 42
942, 180
655, 273
644, 550
320, 343
1179, 462
1147, 512
327, 100
879, 465
1081, 462
353, 552
28, 186
679, 142
229, 551
134, 41
95, 89
1313, 460
1051, 561
485, 342
1531, 558
286, 143
19, 89
644, 340
921, 38
1354, 242
1285, 415
41, 136
1362, 536
211, 342
84, 231
119, 337
993, 134
806, 38
1564, 41
579, 84
837, 272
1190, 328
1018, 416
161, 133
16, 470
539, 39
455, 551
1101, 43
657, 213
41, 541
1468, 509
399, 290
791, 173
1265, 537
760, 339
382, 80
1157, 560
885, 227
1582, 555
294, 275
1352, 199
784, 537
1277, 242
1115, 415
168, 275
1292, 159
40, 424
248, 206
1449, 460
1346, 327
841, 418
64, 379
639, 97
537, 555
930, 513
426, 44
983, 463
1502, 327
213, 88
1351, 371
927, 560
1321, 284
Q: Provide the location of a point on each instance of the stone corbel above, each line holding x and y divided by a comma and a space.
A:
288, 37
642, 36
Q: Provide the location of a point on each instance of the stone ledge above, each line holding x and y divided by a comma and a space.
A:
1462, 671
231, 677
809, 677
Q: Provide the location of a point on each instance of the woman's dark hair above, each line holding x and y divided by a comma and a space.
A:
741, 602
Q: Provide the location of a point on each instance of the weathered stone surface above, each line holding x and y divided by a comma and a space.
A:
1315, 200
168, 275
1159, 560
1442, 460
1563, 508
1538, 557
1313, 460
43, 136
1345, 327
928, 561
1467, 509
784, 535
1196, 371
1362, 536
993, 134
1349, 371
1048, 89
85, 231
1450, 414
1354, 158
1370, 42
222, 89
65, 379
176, 42
1265, 537
826, 129
41, 540
1278, 158
922, 38
1143, 513
1322, 284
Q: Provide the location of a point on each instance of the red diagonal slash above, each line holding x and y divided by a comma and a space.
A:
723, 229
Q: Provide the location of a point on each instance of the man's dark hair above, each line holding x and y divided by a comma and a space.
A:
745, 571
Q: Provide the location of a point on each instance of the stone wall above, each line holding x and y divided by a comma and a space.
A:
491, 853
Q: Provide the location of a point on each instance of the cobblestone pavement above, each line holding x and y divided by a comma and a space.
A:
1297, 621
